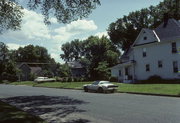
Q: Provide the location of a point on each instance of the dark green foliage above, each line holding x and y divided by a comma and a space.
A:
10, 16
113, 79
65, 11
63, 70
95, 54
8, 68
154, 78
103, 71
124, 31
31, 53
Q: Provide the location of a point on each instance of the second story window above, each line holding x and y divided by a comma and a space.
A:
175, 66
174, 48
160, 65
144, 52
147, 67
145, 38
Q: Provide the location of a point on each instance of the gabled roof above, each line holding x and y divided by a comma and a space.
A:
35, 70
146, 32
164, 31
171, 29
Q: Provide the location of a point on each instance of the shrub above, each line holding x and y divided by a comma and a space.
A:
9, 77
113, 79
155, 78
69, 79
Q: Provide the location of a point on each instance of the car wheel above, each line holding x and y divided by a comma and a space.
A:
100, 90
85, 89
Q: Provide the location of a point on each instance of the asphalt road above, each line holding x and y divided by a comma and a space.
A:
76, 106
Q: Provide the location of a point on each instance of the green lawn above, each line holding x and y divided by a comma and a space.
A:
10, 114
166, 89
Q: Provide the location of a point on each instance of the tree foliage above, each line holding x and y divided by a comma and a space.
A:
10, 16
94, 53
124, 31
31, 53
7, 66
65, 11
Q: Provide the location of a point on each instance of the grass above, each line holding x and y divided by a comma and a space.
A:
10, 114
164, 89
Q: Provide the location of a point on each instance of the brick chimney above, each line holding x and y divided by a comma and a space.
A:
165, 18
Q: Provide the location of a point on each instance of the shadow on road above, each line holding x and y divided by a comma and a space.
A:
51, 108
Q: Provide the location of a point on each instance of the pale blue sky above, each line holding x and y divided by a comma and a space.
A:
52, 37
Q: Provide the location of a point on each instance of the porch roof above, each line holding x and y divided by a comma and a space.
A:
129, 63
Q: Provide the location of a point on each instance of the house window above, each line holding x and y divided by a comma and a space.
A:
145, 38
144, 52
175, 66
174, 48
160, 65
119, 72
147, 67
126, 71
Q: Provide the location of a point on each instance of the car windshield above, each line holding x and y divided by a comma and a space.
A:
104, 82
95, 83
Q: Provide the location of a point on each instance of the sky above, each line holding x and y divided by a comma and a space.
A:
34, 31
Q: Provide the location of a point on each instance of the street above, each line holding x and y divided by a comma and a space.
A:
76, 106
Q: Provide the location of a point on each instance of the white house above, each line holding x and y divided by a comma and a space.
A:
154, 52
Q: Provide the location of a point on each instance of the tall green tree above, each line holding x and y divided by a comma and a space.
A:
94, 53
124, 31
8, 68
10, 16
73, 50
65, 11
31, 53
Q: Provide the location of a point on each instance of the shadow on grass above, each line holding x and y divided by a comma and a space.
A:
10, 114
50, 108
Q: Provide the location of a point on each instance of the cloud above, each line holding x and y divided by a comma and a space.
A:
33, 28
56, 56
100, 34
53, 20
80, 26
12, 46
74, 28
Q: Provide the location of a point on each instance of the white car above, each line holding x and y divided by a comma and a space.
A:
100, 86
44, 79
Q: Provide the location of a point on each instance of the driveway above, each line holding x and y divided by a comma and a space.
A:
76, 106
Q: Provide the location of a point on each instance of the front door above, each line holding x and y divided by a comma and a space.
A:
126, 71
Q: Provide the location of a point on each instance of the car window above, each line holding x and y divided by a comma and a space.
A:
96, 83
104, 82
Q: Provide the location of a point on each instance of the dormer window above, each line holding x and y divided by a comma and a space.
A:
145, 38
174, 48
144, 52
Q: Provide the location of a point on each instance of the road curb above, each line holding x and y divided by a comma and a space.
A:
150, 94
